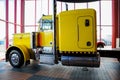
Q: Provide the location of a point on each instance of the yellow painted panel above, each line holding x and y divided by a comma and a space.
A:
22, 39
85, 41
46, 38
73, 39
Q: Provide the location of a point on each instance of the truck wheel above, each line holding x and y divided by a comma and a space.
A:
100, 46
16, 58
119, 59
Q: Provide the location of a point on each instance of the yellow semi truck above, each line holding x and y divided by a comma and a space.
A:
75, 38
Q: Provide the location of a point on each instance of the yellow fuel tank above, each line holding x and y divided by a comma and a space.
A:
77, 30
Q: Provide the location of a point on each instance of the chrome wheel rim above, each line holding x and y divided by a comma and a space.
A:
15, 59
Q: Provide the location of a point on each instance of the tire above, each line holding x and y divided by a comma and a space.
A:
40, 52
16, 58
119, 59
100, 46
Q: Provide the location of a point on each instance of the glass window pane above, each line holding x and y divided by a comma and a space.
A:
95, 5
29, 12
2, 16
106, 34
80, 5
106, 13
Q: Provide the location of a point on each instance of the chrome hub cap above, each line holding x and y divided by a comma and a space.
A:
15, 59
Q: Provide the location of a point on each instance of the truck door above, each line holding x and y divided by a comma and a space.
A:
85, 32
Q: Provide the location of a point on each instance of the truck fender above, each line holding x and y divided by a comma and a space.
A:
21, 48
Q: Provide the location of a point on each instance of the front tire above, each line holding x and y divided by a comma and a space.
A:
16, 58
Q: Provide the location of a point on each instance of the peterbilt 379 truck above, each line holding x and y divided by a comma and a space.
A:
75, 37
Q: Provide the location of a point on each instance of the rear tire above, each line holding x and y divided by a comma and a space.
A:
119, 59
16, 58
100, 46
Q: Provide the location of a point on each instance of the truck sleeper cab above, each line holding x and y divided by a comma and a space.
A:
77, 38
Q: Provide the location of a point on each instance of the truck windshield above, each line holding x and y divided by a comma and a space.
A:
46, 24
